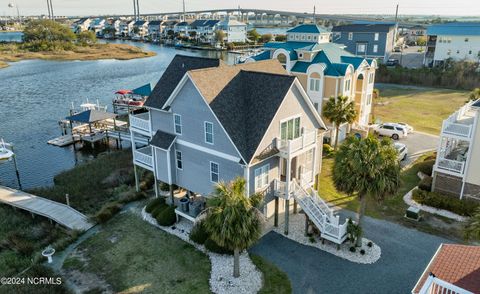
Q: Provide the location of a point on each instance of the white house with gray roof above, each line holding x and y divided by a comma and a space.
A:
209, 122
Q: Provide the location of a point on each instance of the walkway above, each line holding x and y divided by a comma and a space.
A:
58, 212
405, 254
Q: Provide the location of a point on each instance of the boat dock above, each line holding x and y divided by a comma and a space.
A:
55, 211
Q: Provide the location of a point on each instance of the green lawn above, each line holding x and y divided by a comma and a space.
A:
275, 281
423, 108
134, 257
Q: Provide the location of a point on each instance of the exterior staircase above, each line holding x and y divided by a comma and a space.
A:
320, 213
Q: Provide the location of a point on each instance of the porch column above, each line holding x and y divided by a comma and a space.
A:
137, 184
275, 215
172, 198
287, 196
156, 185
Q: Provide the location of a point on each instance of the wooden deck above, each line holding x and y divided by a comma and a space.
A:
58, 212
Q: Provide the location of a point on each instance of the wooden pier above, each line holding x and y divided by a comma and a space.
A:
55, 211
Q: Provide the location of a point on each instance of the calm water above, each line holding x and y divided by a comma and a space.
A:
11, 36
35, 94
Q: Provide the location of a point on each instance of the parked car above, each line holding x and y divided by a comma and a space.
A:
392, 62
402, 151
407, 126
391, 130
397, 49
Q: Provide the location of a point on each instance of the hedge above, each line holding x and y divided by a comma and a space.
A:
166, 217
158, 209
108, 211
426, 167
426, 184
198, 234
462, 207
154, 203
212, 246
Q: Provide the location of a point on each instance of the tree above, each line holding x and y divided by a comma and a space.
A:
368, 168
266, 38
192, 34
47, 31
86, 38
474, 95
109, 31
233, 221
339, 111
219, 36
422, 41
253, 35
472, 228
280, 38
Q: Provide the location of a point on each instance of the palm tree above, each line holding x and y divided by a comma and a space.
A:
472, 228
367, 167
339, 111
234, 222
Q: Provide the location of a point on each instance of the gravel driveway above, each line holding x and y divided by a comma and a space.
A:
405, 254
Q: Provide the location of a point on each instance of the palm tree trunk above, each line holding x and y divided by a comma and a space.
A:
236, 263
361, 213
337, 130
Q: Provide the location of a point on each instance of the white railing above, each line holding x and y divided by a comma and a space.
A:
290, 146
460, 130
451, 165
435, 285
144, 156
141, 122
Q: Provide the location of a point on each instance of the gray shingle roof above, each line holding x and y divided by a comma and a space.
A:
172, 76
163, 140
245, 108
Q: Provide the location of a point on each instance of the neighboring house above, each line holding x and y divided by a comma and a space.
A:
453, 269
209, 122
182, 28
415, 32
126, 27
204, 29
97, 25
457, 169
168, 27
155, 29
457, 41
367, 40
113, 24
81, 25
325, 69
140, 29
234, 30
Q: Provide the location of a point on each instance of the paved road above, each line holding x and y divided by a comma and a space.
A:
417, 144
410, 57
405, 254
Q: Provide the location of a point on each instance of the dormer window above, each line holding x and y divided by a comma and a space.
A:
300, 55
350, 36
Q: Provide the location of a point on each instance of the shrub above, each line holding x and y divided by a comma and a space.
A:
370, 244
353, 249
462, 207
426, 184
362, 252
312, 239
107, 212
212, 246
154, 203
198, 234
426, 167
130, 196
161, 207
19, 244
327, 149
164, 187
166, 217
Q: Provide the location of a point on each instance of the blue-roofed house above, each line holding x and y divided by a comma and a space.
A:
457, 41
204, 29
325, 69
155, 29
97, 25
140, 29
371, 40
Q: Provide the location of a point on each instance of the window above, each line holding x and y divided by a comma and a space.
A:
361, 48
347, 85
177, 119
178, 155
458, 51
388, 127
208, 132
214, 174
375, 48
350, 36
371, 78
300, 55
466, 39
309, 37
470, 52
290, 129
376, 36
369, 99
261, 176
314, 85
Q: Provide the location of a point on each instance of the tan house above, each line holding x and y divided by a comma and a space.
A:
325, 69
457, 168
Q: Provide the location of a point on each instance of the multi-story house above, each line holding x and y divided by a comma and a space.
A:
112, 25
155, 29
325, 69
204, 29
234, 30
140, 29
97, 25
457, 170
456, 41
209, 122
367, 39
182, 28
81, 25
415, 32
126, 27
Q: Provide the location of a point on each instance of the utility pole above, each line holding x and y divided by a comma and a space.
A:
138, 11
134, 10
184, 18
396, 26
314, 15
49, 12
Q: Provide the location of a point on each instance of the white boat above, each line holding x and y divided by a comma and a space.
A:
5, 153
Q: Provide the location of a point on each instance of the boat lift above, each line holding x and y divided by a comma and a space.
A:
7, 154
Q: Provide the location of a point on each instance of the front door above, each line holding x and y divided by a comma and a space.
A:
283, 169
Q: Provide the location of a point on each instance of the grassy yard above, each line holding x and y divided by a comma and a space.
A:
134, 257
423, 108
274, 280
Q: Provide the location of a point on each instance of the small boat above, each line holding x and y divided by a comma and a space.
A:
134, 97
5, 153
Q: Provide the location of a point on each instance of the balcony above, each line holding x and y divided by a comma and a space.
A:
460, 123
143, 157
450, 165
141, 123
290, 147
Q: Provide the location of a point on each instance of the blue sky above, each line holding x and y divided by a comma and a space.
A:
386, 7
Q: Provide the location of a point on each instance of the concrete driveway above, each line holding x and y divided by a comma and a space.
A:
418, 143
410, 57
405, 254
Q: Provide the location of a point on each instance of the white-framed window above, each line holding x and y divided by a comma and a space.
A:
309, 37
178, 157
375, 48
290, 129
377, 35
208, 132
261, 176
369, 99
177, 120
371, 77
214, 172
347, 85
361, 48
350, 36
300, 55
314, 85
